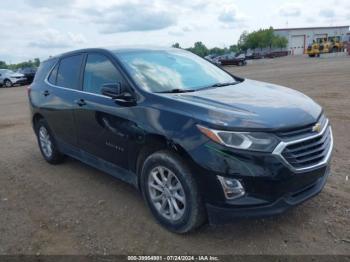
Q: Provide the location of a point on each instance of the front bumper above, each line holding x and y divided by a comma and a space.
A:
19, 81
271, 184
221, 215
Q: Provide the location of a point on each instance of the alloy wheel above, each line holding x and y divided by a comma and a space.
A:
45, 141
166, 193
8, 83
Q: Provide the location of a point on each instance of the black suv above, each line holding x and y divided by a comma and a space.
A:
198, 142
28, 72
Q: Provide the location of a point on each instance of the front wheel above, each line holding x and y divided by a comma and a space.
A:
7, 83
171, 192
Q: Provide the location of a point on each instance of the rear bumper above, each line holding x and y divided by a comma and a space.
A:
222, 215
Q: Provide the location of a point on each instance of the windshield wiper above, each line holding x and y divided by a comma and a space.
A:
218, 85
224, 84
177, 90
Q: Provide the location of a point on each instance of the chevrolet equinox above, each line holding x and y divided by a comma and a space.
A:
199, 143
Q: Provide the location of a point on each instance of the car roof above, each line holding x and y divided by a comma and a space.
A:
115, 50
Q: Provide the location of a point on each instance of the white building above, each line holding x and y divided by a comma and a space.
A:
300, 38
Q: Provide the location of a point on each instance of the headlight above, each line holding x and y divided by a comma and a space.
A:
255, 141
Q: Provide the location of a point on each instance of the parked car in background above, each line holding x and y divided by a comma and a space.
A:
210, 57
28, 72
274, 54
232, 59
266, 53
253, 55
9, 78
213, 58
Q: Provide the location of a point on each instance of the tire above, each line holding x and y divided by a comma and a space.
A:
240, 63
7, 83
47, 144
181, 189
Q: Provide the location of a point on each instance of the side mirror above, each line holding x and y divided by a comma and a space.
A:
112, 90
117, 92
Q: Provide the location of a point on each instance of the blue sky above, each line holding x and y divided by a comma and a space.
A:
40, 28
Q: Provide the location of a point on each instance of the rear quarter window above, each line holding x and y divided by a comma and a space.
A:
44, 69
53, 75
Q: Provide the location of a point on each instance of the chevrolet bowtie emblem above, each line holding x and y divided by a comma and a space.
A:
317, 128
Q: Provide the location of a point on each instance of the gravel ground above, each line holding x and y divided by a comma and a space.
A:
75, 209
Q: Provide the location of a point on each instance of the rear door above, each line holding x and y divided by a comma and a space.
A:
65, 84
102, 124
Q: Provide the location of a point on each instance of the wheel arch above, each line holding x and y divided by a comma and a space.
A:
36, 117
6, 79
153, 144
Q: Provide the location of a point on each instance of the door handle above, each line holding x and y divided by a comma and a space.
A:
46, 93
80, 102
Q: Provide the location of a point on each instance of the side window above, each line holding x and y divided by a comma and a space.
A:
68, 72
44, 69
53, 75
99, 70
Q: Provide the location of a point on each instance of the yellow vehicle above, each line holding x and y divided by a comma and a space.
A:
313, 49
336, 44
325, 45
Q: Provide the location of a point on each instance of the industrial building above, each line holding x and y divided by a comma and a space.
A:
300, 38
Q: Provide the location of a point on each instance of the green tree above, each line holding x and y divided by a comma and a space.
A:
242, 41
36, 62
216, 51
199, 49
29, 63
279, 42
263, 38
233, 48
176, 45
3, 65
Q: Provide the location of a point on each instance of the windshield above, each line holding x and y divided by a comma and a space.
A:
166, 70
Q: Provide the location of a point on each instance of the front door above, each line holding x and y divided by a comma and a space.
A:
102, 124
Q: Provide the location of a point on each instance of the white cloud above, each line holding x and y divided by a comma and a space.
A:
126, 17
49, 3
54, 26
52, 38
231, 17
327, 13
290, 10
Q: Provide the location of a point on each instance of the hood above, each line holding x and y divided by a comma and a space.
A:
250, 104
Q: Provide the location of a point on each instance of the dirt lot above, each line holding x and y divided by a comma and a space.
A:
75, 209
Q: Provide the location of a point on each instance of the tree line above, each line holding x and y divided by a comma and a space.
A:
29, 63
263, 38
